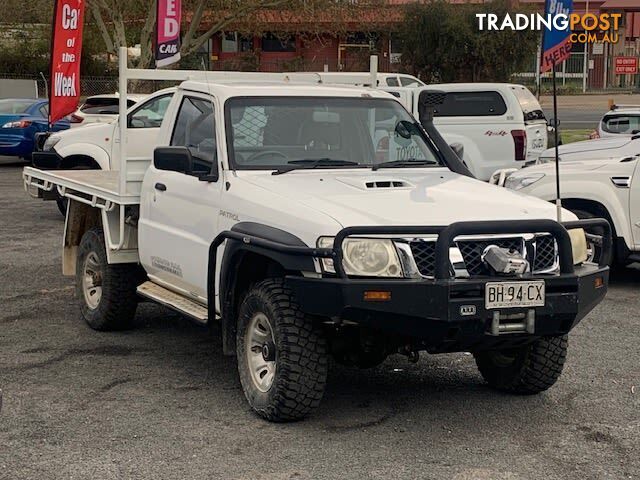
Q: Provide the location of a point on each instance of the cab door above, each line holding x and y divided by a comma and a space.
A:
179, 211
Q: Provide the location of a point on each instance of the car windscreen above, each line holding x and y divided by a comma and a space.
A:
468, 104
531, 108
276, 132
102, 105
623, 123
14, 106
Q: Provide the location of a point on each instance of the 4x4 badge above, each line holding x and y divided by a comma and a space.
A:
466, 310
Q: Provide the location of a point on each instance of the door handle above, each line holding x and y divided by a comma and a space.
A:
160, 186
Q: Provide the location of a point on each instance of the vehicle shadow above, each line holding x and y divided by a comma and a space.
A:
437, 389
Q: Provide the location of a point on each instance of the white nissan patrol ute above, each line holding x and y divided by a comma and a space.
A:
267, 208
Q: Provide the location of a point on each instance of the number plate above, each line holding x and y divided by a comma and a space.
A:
514, 294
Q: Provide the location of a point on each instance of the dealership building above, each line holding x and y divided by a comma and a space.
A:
346, 44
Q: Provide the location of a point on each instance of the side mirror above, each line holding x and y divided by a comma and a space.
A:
173, 159
458, 149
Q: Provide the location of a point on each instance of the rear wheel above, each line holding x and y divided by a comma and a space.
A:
107, 293
282, 357
525, 370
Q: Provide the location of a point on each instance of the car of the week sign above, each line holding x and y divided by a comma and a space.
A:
168, 32
66, 50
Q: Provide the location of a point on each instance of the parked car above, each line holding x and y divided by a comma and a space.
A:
20, 121
598, 178
101, 109
94, 147
499, 125
620, 120
268, 207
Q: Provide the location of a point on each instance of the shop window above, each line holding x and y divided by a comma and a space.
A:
274, 43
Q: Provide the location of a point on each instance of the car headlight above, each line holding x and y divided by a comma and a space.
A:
578, 245
365, 257
519, 182
50, 143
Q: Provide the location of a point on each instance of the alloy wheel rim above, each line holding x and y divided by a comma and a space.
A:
92, 281
260, 352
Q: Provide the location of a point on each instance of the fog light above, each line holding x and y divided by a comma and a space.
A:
376, 296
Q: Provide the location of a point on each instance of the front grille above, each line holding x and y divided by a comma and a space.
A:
544, 251
424, 254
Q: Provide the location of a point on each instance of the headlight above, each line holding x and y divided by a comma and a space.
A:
519, 182
365, 257
578, 245
50, 143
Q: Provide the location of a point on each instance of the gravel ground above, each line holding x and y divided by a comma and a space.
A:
161, 401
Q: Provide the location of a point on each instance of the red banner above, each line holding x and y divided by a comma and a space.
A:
66, 50
168, 32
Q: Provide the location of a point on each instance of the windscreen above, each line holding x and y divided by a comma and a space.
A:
621, 123
275, 132
12, 107
529, 104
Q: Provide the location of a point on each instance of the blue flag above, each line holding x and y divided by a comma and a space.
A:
556, 45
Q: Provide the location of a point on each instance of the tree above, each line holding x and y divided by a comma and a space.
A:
129, 22
442, 42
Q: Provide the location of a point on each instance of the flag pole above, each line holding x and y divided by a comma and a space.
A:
555, 133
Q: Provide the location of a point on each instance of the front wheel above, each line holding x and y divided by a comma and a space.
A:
282, 355
524, 370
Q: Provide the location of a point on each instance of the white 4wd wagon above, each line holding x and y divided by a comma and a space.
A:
269, 209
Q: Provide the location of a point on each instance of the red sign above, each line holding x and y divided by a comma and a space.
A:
626, 65
168, 32
66, 50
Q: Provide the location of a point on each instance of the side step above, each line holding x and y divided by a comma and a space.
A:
175, 301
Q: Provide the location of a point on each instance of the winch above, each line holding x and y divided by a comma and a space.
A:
504, 261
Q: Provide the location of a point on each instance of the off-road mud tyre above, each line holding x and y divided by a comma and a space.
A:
116, 306
526, 370
297, 347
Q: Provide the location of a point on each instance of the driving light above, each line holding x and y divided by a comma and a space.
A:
518, 182
365, 257
578, 245
18, 124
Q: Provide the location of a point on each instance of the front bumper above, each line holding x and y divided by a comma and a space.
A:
49, 160
444, 313
435, 313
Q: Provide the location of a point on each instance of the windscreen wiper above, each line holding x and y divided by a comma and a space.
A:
412, 162
310, 163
